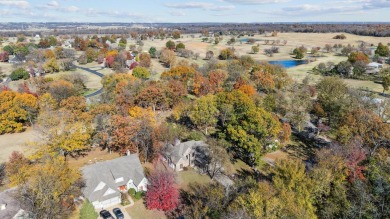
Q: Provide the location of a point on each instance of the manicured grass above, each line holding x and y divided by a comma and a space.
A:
87, 211
184, 178
139, 211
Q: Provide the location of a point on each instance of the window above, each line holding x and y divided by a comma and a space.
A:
193, 154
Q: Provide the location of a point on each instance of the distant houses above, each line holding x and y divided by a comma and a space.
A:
374, 68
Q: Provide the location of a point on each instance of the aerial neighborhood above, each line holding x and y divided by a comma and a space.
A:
120, 115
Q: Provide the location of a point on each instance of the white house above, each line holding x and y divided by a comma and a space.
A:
105, 181
374, 68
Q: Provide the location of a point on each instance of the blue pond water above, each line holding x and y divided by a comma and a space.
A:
288, 63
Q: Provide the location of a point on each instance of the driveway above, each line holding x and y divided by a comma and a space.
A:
127, 216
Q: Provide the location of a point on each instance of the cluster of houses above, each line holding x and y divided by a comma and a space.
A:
105, 181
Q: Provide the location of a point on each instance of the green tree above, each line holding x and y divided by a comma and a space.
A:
141, 72
332, 92
180, 46
299, 54
152, 52
294, 189
386, 82
255, 49
19, 73
203, 113
170, 45
382, 50
249, 128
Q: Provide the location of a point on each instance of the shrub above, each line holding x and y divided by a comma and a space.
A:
138, 195
19, 73
124, 199
340, 37
180, 46
87, 211
132, 192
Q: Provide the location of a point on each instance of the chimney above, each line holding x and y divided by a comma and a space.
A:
177, 142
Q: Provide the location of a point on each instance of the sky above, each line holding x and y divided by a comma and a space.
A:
183, 11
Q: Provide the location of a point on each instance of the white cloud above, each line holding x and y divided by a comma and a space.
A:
199, 5
254, 2
53, 4
72, 9
13, 3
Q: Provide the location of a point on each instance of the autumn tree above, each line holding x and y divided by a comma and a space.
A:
294, 189
176, 34
152, 96
260, 202
226, 54
162, 193
168, 57
61, 89
50, 188
263, 80
217, 78
358, 56
203, 113
182, 73
15, 110
141, 72
144, 60
17, 168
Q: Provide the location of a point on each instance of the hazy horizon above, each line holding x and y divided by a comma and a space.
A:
213, 11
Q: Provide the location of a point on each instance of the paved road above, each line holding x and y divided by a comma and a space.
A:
95, 72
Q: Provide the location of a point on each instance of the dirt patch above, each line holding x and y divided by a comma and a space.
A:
95, 155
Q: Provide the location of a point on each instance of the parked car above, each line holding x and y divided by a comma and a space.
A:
118, 213
106, 214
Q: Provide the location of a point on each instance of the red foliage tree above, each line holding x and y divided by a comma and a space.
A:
110, 61
133, 65
162, 193
4, 56
354, 158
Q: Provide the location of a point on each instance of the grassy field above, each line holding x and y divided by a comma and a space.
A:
138, 211
17, 142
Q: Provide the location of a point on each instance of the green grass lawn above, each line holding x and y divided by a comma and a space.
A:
184, 178
138, 211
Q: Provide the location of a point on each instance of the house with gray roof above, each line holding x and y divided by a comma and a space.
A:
181, 155
10, 207
105, 181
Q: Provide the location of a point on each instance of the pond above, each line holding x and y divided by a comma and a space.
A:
288, 63
245, 40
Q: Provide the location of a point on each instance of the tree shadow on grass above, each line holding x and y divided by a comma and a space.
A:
304, 148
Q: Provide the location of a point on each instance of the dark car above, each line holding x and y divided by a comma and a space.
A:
118, 213
105, 214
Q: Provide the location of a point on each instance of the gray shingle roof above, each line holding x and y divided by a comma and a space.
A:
176, 152
128, 167
12, 205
